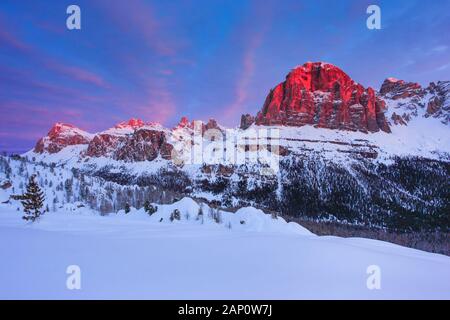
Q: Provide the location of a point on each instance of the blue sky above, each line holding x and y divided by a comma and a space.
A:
160, 60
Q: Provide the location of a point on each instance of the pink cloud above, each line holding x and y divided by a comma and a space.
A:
138, 17
35, 54
11, 40
54, 28
79, 74
242, 84
156, 103
159, 109
166, 72
253, 36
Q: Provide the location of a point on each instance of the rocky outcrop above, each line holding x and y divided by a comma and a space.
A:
185, 123
400, 119
132, 123
322, 95
131, 141
246, 121
144, 145
5, 185
60, 136
104, 145
438, 105
399, 89
407, 100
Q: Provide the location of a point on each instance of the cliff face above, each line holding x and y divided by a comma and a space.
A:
60, 136
131, 141
323, 95
407, 100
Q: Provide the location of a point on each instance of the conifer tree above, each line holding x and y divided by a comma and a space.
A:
32, 200
149, 208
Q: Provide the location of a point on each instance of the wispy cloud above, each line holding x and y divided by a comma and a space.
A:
440, 49
79, 74
8, 39
137, 18
42, 59
245, 76
252, 35
443, 67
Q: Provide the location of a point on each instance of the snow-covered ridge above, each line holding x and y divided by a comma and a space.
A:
408, 100
193, 213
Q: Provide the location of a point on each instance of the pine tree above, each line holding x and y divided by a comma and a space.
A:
149, 208
146, 206
32, 200
175, 215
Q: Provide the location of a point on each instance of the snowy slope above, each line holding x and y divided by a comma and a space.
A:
135, 256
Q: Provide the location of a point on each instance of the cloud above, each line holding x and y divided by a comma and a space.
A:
78, 74
439, 49
160, 107
137, 18
154, 103
252, 35
166, 72
8, 39
245, 76
443, 67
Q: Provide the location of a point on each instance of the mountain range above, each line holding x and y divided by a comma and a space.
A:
346, 153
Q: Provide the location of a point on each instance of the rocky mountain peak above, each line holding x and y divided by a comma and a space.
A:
60, 136
399, 89
323, 95
132, 123
408, 100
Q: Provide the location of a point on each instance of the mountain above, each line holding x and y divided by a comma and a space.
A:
316, 95
60, 136
322, 95
131, 141
407, 100
343, 152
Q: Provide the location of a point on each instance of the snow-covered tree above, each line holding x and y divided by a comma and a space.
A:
149, 208
175, 215
32, 200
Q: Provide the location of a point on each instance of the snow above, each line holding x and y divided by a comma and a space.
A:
423, 137
136, 256
392, 79
244, 219
68, 130
123, 129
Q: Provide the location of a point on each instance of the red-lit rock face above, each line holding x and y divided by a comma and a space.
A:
144, 145
60, 136
323, 95
132, 123
399, 89
104, 145
141, 145
185, 123
132, 140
